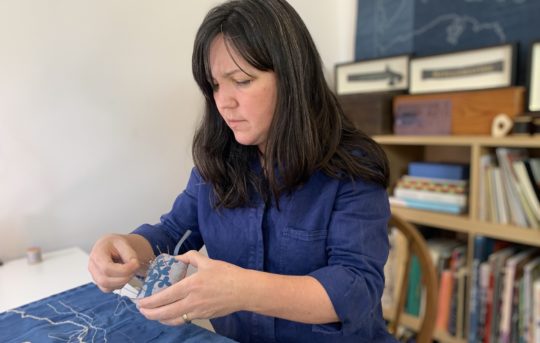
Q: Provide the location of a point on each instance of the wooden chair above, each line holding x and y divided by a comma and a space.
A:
417, 246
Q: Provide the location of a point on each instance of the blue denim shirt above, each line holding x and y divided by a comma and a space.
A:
333, 230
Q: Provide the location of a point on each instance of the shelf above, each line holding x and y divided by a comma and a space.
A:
513, 141
445, 221
413, 323
401, 150
465, 224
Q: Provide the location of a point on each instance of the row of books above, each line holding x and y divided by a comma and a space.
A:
505, 293
441, 187
449, 257
510, 188
502, 303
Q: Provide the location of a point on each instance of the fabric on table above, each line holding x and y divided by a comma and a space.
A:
85, 314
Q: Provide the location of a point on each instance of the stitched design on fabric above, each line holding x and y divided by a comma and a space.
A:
85, 330
163, 272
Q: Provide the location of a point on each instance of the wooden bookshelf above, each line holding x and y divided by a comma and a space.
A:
463, 149
403, 149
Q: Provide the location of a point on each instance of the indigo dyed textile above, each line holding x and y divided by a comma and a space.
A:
85, 314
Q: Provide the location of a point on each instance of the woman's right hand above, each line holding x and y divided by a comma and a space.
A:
113, 262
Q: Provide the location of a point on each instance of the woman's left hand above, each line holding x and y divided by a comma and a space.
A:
215, 290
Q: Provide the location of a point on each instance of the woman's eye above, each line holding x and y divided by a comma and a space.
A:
243, 82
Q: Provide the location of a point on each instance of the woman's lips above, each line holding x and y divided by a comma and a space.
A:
235, 122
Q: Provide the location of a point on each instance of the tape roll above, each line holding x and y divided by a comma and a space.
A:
535, 129
33, 255
522, 125
501, 125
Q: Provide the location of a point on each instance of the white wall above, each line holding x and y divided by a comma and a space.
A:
98, 107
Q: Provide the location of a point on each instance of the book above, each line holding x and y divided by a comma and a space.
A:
484, 190
535, 181
531, 272
482, 248
483, 287
536, 311
498, 261
517, 313
414, 288
492, 199
431, 196
453, 171
461, 308
534, 164
516, 200
527, 188
433, 184
498, 194
426, 205
507, 294
444, 299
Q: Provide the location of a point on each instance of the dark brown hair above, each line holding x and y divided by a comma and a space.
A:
309, 131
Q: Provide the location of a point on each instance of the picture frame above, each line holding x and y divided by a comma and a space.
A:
483, 68
373, 75
534, 77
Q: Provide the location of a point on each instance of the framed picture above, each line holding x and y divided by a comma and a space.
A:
375, 75
489, 67
534, 78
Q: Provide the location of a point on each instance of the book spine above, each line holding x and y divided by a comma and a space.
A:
439, 170
527, 188
536, 311
444, 198
424, 205
445, 297
414, 291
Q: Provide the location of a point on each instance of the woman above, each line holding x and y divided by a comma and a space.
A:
287, 196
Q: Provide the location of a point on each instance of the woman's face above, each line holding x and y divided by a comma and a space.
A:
244, 95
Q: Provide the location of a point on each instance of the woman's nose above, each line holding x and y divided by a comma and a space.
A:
225, 98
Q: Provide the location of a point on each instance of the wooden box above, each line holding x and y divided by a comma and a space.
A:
370, 112
456, 113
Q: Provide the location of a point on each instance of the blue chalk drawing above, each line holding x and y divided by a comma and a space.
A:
427, 27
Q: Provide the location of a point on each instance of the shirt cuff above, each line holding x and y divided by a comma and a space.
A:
353, 299
160, 241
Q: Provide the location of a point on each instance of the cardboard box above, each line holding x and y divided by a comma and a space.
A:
456, 113
370, 112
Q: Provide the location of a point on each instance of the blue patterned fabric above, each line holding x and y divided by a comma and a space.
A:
85, 314
163, 272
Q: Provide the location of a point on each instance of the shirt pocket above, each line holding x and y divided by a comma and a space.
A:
302, 250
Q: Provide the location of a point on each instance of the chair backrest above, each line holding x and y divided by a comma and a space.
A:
416, 246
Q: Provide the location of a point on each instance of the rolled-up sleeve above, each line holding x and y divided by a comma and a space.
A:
357, 247
183, 216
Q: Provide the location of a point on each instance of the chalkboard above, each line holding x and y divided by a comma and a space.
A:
426, 27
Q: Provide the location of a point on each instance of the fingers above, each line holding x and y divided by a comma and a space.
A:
172, 294
167, 313
193, 258
112, 263
104, 282
174, 322
125, 250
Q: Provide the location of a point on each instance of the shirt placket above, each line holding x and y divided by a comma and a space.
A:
263, 326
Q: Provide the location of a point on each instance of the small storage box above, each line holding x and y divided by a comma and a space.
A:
456, 113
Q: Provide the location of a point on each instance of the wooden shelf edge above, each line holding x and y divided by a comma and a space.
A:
510, 141
413, 323
452, 222
509, 233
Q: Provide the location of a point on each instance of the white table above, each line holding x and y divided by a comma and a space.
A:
22, 283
